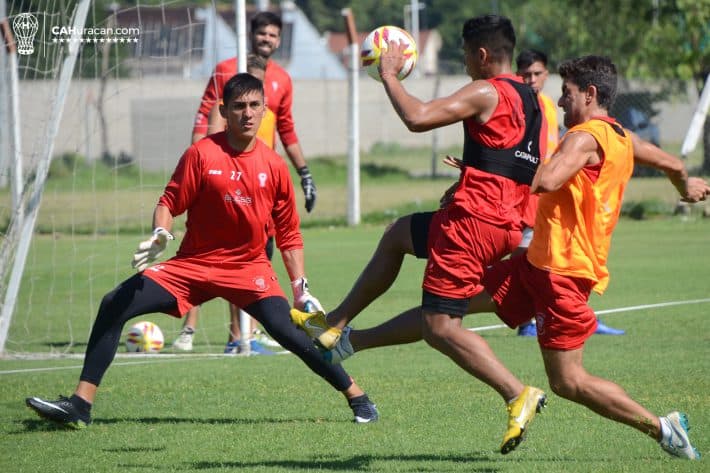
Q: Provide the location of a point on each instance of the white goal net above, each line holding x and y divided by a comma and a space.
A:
97, 102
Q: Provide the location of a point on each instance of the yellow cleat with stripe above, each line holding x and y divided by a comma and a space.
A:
316, 326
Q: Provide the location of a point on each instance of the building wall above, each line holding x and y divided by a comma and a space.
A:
151, 120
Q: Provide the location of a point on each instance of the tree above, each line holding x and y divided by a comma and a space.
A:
666, 41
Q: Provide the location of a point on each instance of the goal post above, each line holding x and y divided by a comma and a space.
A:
28, 202
104, 121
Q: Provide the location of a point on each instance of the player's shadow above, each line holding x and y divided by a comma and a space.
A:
436, 462
134, 449
45, 425
212, 421
37, 425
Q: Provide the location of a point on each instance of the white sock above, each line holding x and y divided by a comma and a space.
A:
665, 429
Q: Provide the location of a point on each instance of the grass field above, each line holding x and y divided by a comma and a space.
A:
270, 414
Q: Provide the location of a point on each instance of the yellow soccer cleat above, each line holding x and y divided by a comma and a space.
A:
315, 325
521, 412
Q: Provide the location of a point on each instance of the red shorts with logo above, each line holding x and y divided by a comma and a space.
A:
460, 247
563, 317
200, 126
193, 282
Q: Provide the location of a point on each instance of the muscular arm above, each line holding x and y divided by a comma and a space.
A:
576, 151
478, 98
691, 189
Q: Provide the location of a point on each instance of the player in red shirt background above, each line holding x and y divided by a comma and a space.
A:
278, 89
231, 185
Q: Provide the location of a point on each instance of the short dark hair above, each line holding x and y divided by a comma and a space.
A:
598, 71
254, 61
528, 57
493, 32
265, 18
239, 85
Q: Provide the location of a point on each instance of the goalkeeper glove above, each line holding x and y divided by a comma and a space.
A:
150, 249
308, 186
302, 298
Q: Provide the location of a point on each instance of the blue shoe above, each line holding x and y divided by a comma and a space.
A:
527, 330
257, 349
232, 348
603, 329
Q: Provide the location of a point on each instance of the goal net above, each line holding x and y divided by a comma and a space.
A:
97, 103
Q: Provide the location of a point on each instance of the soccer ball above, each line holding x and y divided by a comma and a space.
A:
144, 337
377, 40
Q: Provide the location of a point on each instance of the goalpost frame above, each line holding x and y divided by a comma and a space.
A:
29, 206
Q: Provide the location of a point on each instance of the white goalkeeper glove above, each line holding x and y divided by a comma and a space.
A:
150, 249
302, 298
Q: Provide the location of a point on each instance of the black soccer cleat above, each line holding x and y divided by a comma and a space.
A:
62, 412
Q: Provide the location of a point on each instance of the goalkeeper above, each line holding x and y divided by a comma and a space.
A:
230, 185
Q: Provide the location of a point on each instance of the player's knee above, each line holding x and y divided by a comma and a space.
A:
567, 387
436, 331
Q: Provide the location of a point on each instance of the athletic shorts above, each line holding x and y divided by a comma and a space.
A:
461, 246
419, 229
192, 282
563, 317
200, 126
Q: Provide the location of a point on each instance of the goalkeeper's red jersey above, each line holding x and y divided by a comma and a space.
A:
229, 198
278, 93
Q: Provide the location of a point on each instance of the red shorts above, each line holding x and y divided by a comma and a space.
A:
193, 282
460, 247
200, 126
558, 303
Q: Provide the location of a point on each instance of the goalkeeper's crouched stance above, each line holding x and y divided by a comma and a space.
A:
231, 185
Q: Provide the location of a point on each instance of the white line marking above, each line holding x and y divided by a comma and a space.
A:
609, 311
148, 360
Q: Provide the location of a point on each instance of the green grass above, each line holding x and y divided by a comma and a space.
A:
270, 414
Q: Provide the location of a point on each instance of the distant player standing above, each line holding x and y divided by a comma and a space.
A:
265, 39
231, 185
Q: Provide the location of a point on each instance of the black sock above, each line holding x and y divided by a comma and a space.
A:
359, 400
80, 403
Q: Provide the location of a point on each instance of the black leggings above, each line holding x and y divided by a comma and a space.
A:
139, 295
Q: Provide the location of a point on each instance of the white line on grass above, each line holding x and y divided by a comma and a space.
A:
610, 311
147, 359
162, 358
